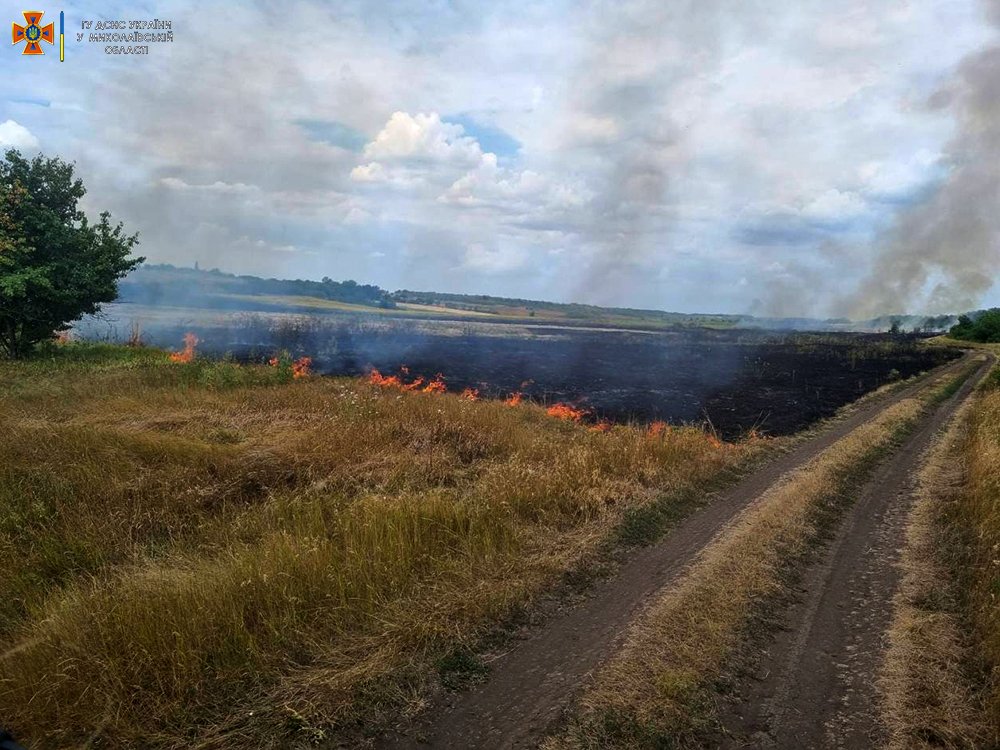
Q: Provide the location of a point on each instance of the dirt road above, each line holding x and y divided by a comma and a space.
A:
816, 686
532, 684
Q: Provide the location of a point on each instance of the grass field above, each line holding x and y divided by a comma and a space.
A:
942, 676
976, 517
209, 554
929, 699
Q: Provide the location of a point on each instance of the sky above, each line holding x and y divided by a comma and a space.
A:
779, 159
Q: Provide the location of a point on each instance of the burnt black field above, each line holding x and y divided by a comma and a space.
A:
737, 380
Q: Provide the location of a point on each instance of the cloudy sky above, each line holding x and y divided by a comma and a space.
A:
695, 155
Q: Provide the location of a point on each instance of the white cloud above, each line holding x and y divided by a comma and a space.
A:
423, 137
479, 257
649, 135
835, 205
218, 187
889, 179
510, 189
587, 129
373, 172
14, 135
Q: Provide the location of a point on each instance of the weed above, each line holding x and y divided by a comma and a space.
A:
460, 669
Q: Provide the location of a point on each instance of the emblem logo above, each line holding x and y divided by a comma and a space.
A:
33, 33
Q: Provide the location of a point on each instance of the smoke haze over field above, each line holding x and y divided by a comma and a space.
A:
944, 252
805, 159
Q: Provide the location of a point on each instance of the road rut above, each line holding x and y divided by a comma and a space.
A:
816, 686
531, 685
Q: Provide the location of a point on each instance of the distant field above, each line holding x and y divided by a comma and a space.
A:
493, 311
443, 310
165, 285
293, 302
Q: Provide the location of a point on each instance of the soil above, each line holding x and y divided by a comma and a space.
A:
536, 680
816, 681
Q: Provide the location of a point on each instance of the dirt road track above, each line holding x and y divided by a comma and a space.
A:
817, 684
535, 681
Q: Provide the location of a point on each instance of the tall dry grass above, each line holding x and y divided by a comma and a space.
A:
976, 516
929, 700
202, 555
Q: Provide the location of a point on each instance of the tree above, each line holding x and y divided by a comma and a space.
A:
983, 325
962, 329
55, 265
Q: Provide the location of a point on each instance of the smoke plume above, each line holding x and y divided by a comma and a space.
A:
942, 254
639, 53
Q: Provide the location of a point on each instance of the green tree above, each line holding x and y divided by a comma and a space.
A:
987, 327
55, 265
962, 329
983, 325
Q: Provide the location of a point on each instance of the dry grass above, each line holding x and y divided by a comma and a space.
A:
976, 518
928, 699
654, 693
203, 555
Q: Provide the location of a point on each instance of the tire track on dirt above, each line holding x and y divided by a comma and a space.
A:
817, 683
533, 683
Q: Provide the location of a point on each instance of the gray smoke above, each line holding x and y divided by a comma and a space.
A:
953, 239
639, 52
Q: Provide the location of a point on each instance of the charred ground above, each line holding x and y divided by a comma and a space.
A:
738, 380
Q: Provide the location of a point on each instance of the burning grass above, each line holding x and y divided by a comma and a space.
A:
215, 554
186, 355
559, 410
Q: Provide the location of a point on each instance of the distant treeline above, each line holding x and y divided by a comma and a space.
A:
170, 285
981, 325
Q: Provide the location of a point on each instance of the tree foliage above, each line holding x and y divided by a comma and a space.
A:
981, 326
55, 265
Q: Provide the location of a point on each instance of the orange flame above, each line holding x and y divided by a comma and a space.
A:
436, 386
566, 411
713, 440
470, 394
384, 381
301, 368
187, 353
414, 386
602, 426
657, 429
63, 337
514, 399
